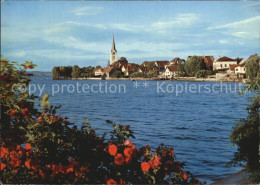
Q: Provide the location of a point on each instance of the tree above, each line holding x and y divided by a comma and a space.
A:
55, 73
253, 67
75, 71
193, 65
87, 71
202, 74
151, 66
180, 69
245, 133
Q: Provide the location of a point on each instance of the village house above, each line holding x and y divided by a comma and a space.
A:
98, 72
175, 61
240, 70
129, 69
161, 65
171, 71
223, 63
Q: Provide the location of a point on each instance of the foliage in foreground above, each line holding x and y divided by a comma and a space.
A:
245, 133
38, 146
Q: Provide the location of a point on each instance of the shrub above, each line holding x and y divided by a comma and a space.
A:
39, 146
150, 75
137, 74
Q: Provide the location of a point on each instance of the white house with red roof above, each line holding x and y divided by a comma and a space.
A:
171, 71
223, 63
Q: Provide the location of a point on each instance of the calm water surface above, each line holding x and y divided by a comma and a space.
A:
197, 125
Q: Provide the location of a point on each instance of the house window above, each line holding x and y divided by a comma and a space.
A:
225, 65
236, 69
244, 69
220, 65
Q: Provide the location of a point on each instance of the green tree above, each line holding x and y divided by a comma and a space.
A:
193, 65
181, 70
75, 71
87, 71
151, 66
253, 67
245, 134
55, 73
202, 74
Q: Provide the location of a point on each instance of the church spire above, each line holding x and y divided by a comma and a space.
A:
113, 44
113, 53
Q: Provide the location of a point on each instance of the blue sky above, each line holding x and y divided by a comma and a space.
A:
80, 33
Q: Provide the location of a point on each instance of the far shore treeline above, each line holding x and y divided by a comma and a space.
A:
194, 66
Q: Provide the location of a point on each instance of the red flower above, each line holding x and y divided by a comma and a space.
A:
39, 119
3, 166
4, 151
25, 112
70, 170
12, 113
122, 181
42, 174
128, 160
128, 143
28, 146
28, 164
172, 151
119, 159
185, 176
145, 166
111, 182
127, 127
155, 162
26, 67
128, 152
112, 149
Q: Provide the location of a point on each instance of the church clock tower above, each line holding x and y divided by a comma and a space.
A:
113, 53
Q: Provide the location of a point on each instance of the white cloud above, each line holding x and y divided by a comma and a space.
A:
181, 20
246, 29
127, 27
87, 10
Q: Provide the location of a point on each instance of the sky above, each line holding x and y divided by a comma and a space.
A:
61, 33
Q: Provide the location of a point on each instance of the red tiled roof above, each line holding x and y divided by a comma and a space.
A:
233, 66
108, 69
223, 59
162, 64
175, 59
172, 67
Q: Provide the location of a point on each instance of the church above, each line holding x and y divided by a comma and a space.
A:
113, 52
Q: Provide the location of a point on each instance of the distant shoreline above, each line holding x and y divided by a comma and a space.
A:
187, 79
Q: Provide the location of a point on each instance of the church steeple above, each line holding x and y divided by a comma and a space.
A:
113, 45
113, 53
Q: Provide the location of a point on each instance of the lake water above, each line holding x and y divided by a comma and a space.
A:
197, 124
